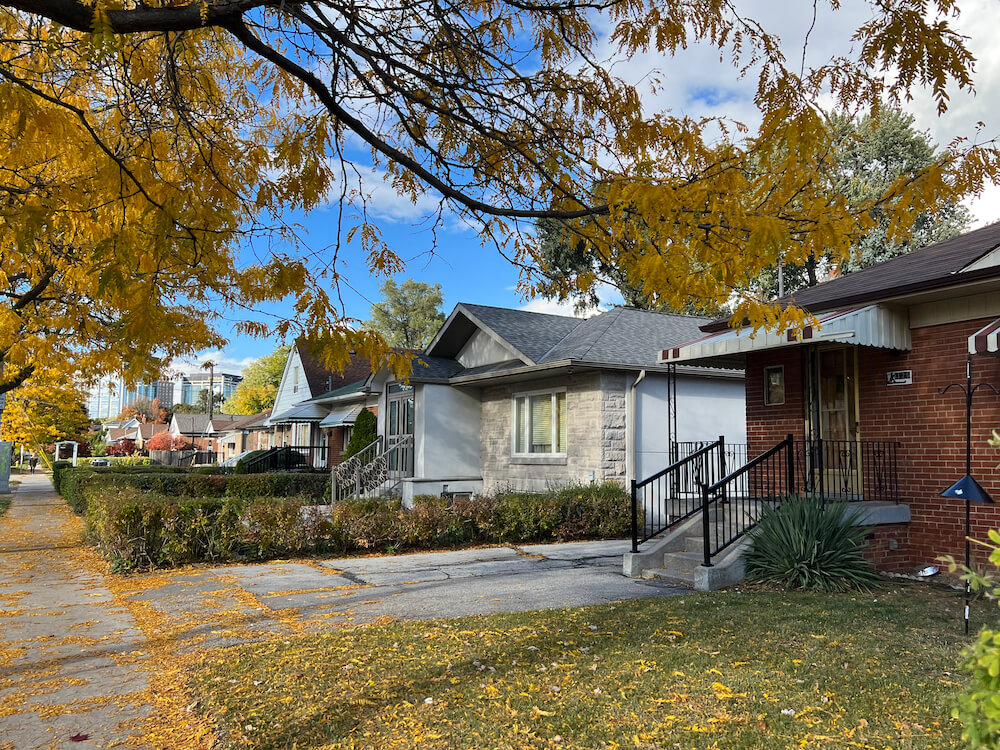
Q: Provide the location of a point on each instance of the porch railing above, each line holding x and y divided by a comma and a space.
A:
730, 486
673, 494
288, 458
375, 471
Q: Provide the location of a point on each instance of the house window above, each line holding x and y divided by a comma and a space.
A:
774, 385
540, 423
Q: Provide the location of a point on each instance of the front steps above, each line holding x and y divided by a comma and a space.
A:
676, 556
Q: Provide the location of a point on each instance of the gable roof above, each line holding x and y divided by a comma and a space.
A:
322, 380
620, 337
528, 334
938, 266
191, 424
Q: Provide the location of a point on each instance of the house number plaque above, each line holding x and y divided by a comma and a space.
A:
899, 377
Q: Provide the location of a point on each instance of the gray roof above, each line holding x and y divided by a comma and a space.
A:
192, 424
533, 334
625, 336
618, 337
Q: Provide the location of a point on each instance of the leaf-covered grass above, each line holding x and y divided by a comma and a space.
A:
4, 504
737, 669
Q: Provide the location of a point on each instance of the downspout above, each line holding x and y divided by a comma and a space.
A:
630, 430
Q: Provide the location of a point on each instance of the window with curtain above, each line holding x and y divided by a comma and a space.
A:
540, 423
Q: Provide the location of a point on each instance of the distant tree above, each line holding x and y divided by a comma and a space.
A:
409, 314
569, 265
98, 443
161, 441
364, 433
44, 410
200, 406
870, 155
257, 391
187, 409
124, 447
146, 411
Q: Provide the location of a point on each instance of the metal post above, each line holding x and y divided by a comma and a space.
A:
705, 528
635, 519
722, 466
790, 464
968, 472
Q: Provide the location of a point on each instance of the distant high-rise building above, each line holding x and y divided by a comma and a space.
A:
110, 396
189, 387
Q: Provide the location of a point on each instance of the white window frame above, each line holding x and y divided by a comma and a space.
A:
553, 392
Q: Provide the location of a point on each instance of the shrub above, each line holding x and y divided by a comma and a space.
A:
57, 470
119, 461
124, 447
136, 530
364, 434
978, 707
161, 441
241, 465
806, 543
278, 484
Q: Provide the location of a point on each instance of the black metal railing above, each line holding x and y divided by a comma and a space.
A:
288, 458
731, 506
833, 470
673, 494
849, 470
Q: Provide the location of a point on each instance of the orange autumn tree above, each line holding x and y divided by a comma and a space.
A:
147, 140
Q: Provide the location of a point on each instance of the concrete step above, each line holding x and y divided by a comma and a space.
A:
670, 576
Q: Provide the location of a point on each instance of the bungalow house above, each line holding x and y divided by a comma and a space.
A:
314, 408
863, 393
509, 398
137, 432
192, 427
241, 435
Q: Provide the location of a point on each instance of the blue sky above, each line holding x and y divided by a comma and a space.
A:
696, 84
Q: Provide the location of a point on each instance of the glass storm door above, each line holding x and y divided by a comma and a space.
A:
399, 425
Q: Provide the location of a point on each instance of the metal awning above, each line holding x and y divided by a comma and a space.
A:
305, 412
341, 417
986, 340
874, 325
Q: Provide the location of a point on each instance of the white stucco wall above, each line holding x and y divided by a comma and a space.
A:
483, 349
706, 408
446, 432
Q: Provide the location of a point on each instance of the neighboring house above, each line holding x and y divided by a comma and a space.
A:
242, 435
314, 407
509, 398
869, 382
133, 430
192, 427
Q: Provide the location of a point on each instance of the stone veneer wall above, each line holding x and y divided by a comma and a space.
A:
595, 434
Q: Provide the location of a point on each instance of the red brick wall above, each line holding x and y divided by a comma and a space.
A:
929, 426
336, 444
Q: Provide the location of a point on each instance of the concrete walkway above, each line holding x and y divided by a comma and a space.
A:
71, 663
89, 660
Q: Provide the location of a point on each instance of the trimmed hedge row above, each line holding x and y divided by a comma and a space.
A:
137, 530
78, 485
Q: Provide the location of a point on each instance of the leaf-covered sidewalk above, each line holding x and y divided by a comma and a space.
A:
75, 671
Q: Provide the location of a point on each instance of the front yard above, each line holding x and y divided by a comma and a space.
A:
737, 669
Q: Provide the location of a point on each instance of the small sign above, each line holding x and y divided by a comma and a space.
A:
899, 377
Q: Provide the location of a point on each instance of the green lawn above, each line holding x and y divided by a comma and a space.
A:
4, 504
738, 669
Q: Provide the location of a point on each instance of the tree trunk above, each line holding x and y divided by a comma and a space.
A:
5, 454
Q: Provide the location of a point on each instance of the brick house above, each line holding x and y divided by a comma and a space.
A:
865, 385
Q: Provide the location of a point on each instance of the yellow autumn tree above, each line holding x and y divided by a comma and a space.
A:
186, 123
45, 411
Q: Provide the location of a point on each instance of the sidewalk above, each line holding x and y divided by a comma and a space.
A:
72, 664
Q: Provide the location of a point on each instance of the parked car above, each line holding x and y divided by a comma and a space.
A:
98, 463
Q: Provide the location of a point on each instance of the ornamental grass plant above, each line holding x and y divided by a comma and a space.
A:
804, 543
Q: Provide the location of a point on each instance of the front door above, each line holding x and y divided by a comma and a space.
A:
835, 451
399, 426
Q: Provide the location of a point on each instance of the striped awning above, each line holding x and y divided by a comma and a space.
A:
873, 325
341, 417
986, 340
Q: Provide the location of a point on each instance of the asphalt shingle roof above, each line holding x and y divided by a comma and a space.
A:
192, 424
625, 336
533, 334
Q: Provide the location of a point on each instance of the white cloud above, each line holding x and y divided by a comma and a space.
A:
225, 362
607, 297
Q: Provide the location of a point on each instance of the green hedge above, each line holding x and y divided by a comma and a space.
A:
138, 529
79, 484
118, 461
